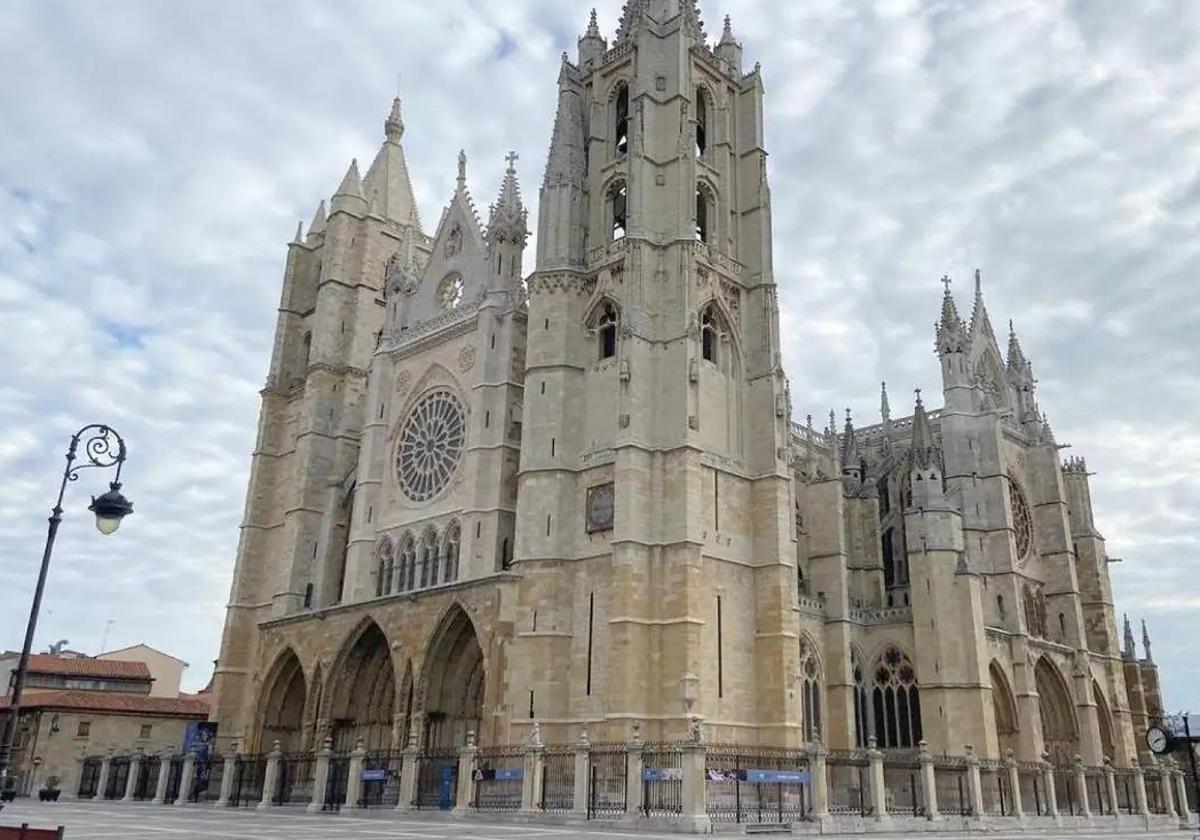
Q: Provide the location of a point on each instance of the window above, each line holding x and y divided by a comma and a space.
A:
308, 596
896, 702
408, 565
701, 122
809, 680
708, 335
703, 208
618, 200
607, 330
305, 352
1021, 519
385, 569
84, 729
145, 733
861, 713
1035, 612
429, 560
431, 445
621, 120
450, 561
450, 292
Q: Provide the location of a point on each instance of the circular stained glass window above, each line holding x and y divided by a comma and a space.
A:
1022, 521
431, 445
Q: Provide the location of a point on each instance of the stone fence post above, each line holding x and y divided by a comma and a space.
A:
1085, 809
695, 787
928, 781
634, 763
228, 776
187, 779
466, 776
1014, 784
876, 781
354, 777
531, 778
1167, 789
270, 777
164, 776
974, 782
1181, 796
408, 774
818, 768
135, 770
583, 766
320, 793
1139, 788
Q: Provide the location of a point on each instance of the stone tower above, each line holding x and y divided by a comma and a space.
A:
653, 522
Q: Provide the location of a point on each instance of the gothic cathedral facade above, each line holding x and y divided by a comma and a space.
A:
481, 499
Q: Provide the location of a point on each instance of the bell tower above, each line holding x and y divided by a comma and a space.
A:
654, 516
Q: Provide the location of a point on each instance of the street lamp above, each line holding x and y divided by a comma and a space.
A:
689, 689
103, 449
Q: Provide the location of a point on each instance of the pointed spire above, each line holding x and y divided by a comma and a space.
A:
317, 225
951, 331
885, 408
462, 169
832, 431
727, 35
850, 457
923, 446
352, 182
509, 218
1017, 363
635, 13
593, 30
1130, 651
979, 315
393, 126
298, 239
1146, 641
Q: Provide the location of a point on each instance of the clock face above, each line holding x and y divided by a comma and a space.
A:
1157, 740
600, 508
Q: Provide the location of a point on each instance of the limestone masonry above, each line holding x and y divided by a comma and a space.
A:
482, 500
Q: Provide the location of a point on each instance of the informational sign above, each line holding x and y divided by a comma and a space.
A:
375, 775
662, 774
777, 777
200, 738
510, 774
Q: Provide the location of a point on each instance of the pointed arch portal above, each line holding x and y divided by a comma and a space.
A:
1004, 710
283, 705
455, 681
362, 693
1060, 731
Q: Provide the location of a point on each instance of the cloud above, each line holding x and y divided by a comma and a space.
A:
156, 157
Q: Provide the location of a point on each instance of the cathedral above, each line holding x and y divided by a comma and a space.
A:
490, 504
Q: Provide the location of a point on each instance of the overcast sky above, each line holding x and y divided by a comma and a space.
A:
156, 156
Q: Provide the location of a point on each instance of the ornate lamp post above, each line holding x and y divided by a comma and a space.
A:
103, 448
689, 690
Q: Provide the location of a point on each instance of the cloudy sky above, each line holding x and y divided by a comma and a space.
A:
155, 158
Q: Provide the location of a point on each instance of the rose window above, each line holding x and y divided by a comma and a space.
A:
1022, 522
431, 445
450, 292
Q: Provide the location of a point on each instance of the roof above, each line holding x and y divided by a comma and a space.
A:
115, 669
142, 646
96, 701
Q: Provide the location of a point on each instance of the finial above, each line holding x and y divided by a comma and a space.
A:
919, 397
299, 232
393, 127
885, 408
1146, 641
832, 422
462, 168
512, 158
727, 35
978, 283
1130, 650
593, 30
946, 281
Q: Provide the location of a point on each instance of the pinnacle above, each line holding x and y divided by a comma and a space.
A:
317, 225
352, 183
299, 237
979, 314
922, 436
462, 169
885, 408
508, 218
393, 127
1016, 356
593, 30
727, 35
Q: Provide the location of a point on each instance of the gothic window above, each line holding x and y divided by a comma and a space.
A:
890, 576
385, 569
1035, 612
701, 122
896, 701
702, 211
429, 559
619, 203
450, 553
305, 353
407, 565
861, 713
809, 680
1022, 521
621, 122
708, 335
606, 329
454, 241
431, 445
450, 291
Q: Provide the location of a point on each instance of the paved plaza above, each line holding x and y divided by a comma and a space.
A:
113, 821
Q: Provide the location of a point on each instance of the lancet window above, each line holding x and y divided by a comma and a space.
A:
895, 701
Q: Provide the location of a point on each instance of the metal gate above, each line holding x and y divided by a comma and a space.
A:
146, 784
249, 772
174, 780
89, 778
757, 785
558, 781
294, 785
437, 780
499, 776
608, 765
381, 779
118, 777
336, 783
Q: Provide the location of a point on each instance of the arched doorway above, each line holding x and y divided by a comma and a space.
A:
363, 693
283, 705
454, 682
1060, 729
1004, 709
1106, 723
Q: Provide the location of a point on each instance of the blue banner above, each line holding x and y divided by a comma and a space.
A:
375, 775
510, 774
778, 777
200, 738
655, 774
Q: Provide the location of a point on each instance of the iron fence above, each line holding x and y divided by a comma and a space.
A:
1066, 794
1156, 801
146, 783
294, 784
1125, 799
206, 785
994, 785
608, 765
337, 783
89, 778
118, 777
849, 783
903, 791
381, 779
1097, 789
662, 781
249, 773
499, 775
437, 779
757, 785
1033, 800
953, 790
558, 780
174, 780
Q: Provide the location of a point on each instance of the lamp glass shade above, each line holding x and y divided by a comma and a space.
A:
108, 525
110, 509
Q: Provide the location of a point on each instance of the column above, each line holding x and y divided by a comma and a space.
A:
634, 789
1168, 794
1081, 787
1048, 786
70, 785
187, 779
105, 769
135, 770
320, 794
928, 781
583, 766
1016, 807
818, 767
875, 781
974, 783
271, 777
466, 776
1139, 788
1110, 780
408, 774
695, 787
354, 782
1181, 796
164, 776
228, 776
531, 779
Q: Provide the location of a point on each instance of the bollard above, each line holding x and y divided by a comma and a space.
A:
1139, 788
270, 777
466, 776
583, 766
229, 776
928, 781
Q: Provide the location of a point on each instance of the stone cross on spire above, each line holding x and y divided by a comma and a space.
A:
512, 158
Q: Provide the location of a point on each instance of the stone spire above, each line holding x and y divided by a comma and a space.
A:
565, 162
1146, 641
951, 331
980, 323
317, 226
1130, 651
852, 462
462, 170
923, 447
349, 197
593, 30
592, 45
298, 239
1017, 363
508, 221
729, 50
387, 185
